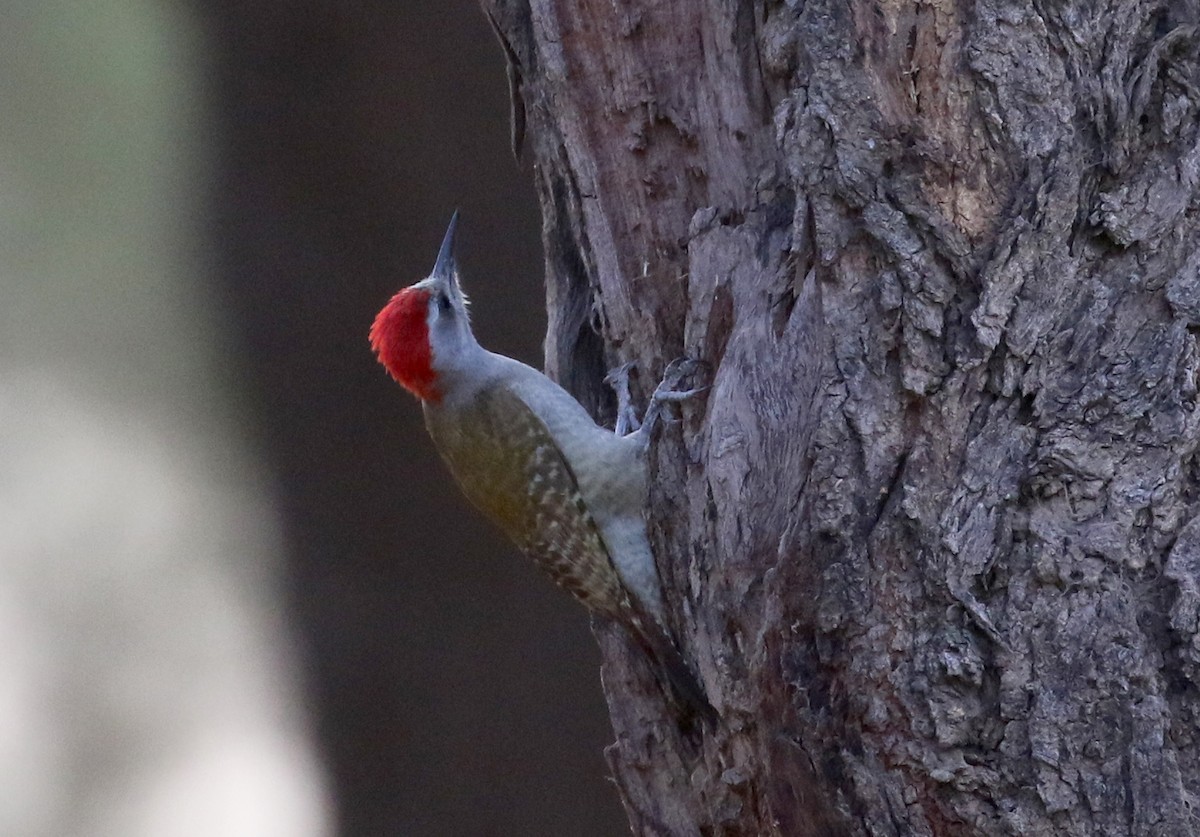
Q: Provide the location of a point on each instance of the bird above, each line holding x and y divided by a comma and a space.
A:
567, 492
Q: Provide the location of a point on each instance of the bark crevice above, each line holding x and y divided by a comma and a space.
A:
930, 536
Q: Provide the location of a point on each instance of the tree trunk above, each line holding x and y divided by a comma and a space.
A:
932, 537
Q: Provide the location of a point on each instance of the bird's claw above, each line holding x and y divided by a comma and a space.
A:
620, 375
668, 390
674, 375
618, 379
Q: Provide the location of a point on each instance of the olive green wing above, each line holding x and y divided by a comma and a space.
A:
510, 468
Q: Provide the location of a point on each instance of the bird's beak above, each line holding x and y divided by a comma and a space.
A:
445, 271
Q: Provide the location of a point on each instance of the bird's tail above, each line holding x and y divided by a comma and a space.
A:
662, 649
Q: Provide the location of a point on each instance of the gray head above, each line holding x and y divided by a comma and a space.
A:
423, 335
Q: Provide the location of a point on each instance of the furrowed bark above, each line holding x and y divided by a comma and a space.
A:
932, 536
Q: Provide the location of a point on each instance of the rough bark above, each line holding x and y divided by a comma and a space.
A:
932, 539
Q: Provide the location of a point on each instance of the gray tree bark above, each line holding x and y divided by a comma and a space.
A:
932, 539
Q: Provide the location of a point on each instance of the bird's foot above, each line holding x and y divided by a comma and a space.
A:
669, 391
618, 379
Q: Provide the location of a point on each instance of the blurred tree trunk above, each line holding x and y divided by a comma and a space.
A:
932, 539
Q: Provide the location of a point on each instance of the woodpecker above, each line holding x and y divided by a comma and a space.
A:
567, 492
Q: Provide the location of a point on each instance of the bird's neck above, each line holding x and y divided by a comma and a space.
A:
459, 368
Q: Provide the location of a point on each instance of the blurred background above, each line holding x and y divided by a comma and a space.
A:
238, 593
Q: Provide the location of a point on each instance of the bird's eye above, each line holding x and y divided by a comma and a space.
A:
443, 304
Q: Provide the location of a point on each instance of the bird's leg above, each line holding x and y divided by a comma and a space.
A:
668, 391
618, 379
